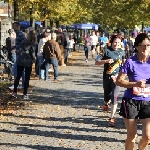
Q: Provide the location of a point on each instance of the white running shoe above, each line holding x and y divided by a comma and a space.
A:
19, 87
50, 70
11, 87
25, 97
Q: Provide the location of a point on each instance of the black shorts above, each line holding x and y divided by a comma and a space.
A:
93, 47
134, 109
97, 45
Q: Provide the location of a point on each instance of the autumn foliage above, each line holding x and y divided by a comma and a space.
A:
115, 13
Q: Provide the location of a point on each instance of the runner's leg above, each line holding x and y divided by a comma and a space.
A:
145, 140
131, 126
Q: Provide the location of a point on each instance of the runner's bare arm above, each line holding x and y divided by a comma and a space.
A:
101, 62
122, 82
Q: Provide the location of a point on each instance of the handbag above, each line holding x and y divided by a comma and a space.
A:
42, 66
24, 58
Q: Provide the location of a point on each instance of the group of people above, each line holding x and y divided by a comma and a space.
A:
49, 52
121, 69
97, 42
94, 43
32, 47
131, 73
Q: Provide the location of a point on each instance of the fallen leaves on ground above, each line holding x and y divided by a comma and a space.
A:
7, 102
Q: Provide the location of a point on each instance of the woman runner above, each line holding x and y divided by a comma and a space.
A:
112, 59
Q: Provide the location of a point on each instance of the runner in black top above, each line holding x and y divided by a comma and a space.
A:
112, 59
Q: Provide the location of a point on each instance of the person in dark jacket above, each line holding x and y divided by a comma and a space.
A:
19, 42
29, 49
52, 55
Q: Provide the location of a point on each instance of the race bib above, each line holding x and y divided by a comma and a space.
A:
141, 91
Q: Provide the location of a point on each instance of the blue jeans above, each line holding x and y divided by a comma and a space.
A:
41, 72
13, 57
66, 55
54, 63
15, 70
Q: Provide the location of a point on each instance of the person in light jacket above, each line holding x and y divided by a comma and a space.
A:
46, 37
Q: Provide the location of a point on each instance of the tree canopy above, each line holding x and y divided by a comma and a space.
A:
112, 13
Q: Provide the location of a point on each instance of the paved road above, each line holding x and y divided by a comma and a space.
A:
64, 115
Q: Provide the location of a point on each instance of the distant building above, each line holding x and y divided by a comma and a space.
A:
5, 10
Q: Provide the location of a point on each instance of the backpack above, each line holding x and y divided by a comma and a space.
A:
26, 56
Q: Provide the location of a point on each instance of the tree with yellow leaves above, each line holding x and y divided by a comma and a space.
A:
115, 13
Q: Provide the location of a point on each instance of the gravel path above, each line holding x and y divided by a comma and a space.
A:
64, 115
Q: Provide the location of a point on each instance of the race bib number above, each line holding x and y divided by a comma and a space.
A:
141, 91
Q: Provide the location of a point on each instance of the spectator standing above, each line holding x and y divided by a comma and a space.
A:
40, 34
52, 55
10, 44
121, 36
26, 32
29, 49
127, 51
61, 38
19, 43
75, 41
43, 40
69, 47
130, 43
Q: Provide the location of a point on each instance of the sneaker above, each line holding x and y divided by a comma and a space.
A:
105, 107
25, 96
11, 87
20, 87
50, 70
69, 55
47, 79
111, 122
57, 80
86, 60
41, 78
14, 95
64, 65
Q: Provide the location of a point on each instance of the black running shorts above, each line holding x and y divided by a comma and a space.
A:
134, 109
